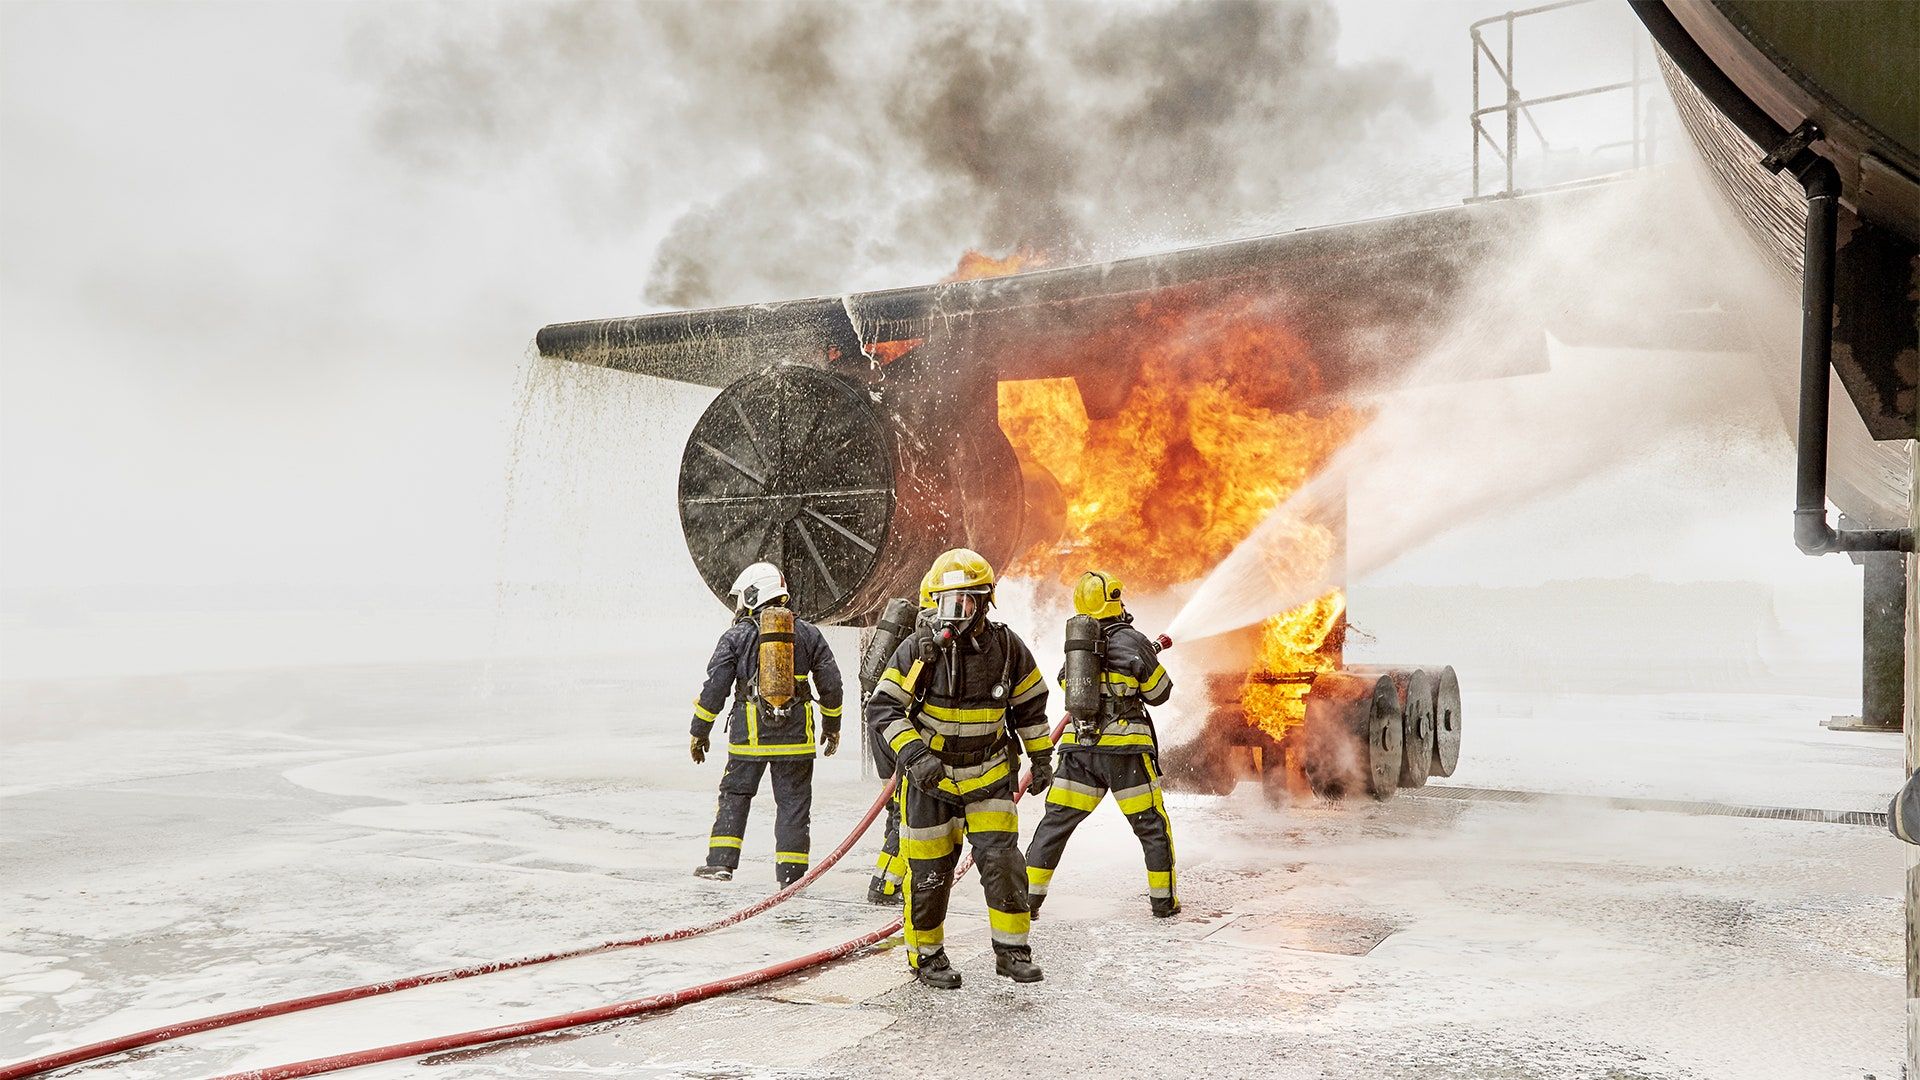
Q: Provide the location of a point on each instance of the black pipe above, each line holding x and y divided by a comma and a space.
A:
1811, 532
1821, 181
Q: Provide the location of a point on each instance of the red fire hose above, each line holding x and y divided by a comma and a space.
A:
355, 993
617, 1011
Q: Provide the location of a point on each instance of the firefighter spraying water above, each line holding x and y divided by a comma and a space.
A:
1111, 674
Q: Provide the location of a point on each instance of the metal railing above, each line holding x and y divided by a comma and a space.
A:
1515, 108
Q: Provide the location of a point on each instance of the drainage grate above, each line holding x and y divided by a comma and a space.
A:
1666, 806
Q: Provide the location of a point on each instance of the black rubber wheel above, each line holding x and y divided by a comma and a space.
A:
791, 466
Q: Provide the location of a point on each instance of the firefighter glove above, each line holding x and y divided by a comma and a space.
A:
833, 742
926, 771
698, 748
1042, 774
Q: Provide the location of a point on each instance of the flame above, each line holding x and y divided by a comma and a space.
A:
1219, 429
1297, 642
1225, 420
975, 265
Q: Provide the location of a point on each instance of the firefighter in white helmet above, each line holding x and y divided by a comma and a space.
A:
958, 703
765, 735
1113, 749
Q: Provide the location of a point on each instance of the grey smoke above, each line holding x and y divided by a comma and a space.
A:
846, 144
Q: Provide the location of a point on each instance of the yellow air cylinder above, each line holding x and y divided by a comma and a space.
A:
776, 656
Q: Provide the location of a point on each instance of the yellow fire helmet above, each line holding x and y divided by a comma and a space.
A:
926, 591
960, 568
1098, 594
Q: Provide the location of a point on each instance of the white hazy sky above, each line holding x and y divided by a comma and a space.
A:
242, 345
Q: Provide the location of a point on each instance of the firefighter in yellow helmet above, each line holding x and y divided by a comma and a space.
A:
960, 700
890, 869
762, 738
1112, 750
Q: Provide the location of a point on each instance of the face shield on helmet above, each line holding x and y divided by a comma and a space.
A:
958, 608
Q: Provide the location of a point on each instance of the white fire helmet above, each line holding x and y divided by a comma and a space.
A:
758, 585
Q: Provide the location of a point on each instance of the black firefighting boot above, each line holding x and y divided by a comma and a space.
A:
877, 893
1017, 964
713, 873
1164, 907
937, 973
785, 874
1033, 904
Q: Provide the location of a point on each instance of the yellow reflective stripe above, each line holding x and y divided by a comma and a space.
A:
1137, 803
1037, 742
1038, 875
936, 741
700, 711
1125, 740
799, 857
1009, 927
1031, 687
723, 841
753, 725
985, 779
772, 749
993, 821
1159, 879
911, 848
964, 716
1122, 678
1153, 680
802, 675
895, 676
1075, 800
833, 711
904, 739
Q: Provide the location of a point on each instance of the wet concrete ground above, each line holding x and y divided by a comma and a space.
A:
179, 846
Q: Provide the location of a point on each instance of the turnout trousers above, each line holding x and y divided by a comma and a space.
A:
1084, 778
931, 830
792, 807
890, 869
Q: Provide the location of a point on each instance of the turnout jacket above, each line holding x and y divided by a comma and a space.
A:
980, 703
753, 729
1131, 678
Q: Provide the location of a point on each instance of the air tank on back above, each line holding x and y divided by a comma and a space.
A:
776, 656
1081, 680
896, 622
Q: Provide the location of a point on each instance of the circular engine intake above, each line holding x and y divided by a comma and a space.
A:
850, 492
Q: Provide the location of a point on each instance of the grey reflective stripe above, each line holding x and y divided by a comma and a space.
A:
896, 729
1078, 788
1033, 731
1003, 937
1159, 892
1132, 792
1161, 692
893, 690
991, 806
931, 832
